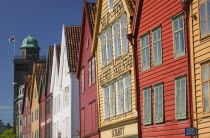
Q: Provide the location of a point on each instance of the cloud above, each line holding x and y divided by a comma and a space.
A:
5, 107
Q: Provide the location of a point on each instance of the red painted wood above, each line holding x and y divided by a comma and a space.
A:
88, 98
153, 14
26, 110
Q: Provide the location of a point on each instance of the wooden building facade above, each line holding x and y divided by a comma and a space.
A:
163, 68
200, 59
86, 75
115, 69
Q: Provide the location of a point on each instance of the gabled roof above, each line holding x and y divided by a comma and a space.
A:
91, 9
58, 54
39, 71
89, 14
28, 79
72, 45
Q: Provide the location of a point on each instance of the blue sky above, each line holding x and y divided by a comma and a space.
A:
42, 19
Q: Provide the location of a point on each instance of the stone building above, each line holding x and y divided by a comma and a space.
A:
4, 127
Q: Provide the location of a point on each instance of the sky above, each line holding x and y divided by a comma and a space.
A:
43, 19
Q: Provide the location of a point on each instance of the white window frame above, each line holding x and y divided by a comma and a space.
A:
124, 41
103, 46
205, 81
180, 116
178, 31
147, 118
144, 48
157, 43
158, 108
82, 80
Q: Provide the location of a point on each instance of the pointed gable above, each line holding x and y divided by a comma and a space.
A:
72, 45
28, 79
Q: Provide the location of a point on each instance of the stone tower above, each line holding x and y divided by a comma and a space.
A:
23, 65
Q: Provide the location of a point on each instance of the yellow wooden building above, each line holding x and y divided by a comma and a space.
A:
115, 69
199, 16
38, 70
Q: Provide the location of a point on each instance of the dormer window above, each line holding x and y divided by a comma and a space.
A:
111, 4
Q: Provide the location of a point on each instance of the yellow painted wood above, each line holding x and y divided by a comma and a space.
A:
34, 105
200, 51
118, 69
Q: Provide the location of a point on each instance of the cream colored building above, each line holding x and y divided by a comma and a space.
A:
200, 64
38, 70
115, 69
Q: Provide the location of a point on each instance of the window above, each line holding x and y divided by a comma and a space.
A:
178, 33
109, 45
117, 92
112, 100
123, 34
158, 103
103, 48
111, 4
29, 119
113, 41
206, 87
127, 93
116, 30
157, 46
106, 102
205, 17
21, 104
180, 84
120, 96
26, 101
147, 106
91, 71
82, 80
145, 52
66, 98
87, 43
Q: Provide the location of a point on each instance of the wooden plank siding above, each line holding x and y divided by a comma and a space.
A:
199, 54
154, 14
110, 72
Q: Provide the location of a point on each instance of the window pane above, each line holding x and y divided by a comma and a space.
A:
204, 73
147, 40
147, 56
181, 23
206, 97
112, 100
202, 11
182, 41
154, 36
203, 28
176, 25
208, 24
124, 42
159, 51
208, 7
176, 43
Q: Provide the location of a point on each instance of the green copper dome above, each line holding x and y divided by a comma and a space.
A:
30, 42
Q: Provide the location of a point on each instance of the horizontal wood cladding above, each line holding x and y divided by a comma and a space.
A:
201, 52
120, 66
154, 14
88, 98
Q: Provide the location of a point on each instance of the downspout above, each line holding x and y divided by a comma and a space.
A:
186, 11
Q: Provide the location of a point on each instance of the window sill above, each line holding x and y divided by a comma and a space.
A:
179, 55
118, 116
181, 118
157, 64
145, 69
204, 37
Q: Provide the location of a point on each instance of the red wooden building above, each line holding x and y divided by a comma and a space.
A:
160, 29
86, 75
26, 129
45, 99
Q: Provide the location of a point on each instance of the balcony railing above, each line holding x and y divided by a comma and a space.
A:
29, 56
117, 10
